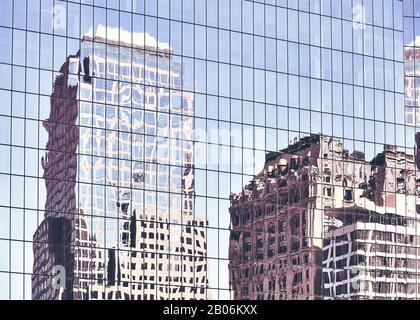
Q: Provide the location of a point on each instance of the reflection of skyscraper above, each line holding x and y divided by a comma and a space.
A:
124, 143
412, 82
315, 209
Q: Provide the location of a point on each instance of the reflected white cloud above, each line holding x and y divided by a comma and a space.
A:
138, 39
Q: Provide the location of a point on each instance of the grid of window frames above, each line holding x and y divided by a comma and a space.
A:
179, 103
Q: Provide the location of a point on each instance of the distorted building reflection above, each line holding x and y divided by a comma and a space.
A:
119, 174
412, 82
320, 223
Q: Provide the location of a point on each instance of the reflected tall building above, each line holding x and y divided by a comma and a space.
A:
374, 254
119, 174
411, 61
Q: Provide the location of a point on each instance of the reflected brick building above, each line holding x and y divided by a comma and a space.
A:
374, 255
412, 88
319, 222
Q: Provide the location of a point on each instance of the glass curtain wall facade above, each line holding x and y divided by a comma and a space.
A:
208, 149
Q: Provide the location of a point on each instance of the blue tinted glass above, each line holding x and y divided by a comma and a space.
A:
209, 149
